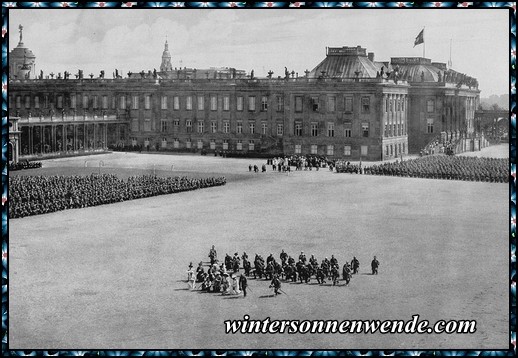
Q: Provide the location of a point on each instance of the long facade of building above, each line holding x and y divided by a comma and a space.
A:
348, 106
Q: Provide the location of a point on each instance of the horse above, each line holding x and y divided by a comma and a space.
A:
335, 275
247, 266
259, 268
321, 277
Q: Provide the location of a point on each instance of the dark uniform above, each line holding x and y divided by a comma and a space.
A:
374, 265
284, 257
213, 256
243, 284
276, 284
355, 264
29, 194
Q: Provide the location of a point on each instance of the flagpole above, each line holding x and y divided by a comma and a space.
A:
424, 43
449, 62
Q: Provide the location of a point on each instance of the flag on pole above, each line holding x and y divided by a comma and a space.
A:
419, 39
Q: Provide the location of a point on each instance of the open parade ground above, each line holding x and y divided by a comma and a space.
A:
113, 276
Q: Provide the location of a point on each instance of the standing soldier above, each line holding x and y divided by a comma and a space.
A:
243, 283
346, 272
213, 255
276, 284
374, 265
355, 264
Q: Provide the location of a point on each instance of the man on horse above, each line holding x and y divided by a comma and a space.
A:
284, 257
247, 266
321, 277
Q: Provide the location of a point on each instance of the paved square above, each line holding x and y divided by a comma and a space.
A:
113, 276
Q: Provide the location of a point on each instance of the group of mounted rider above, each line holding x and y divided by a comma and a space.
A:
301, 270
223, 276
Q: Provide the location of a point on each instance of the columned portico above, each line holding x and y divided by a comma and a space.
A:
39, 137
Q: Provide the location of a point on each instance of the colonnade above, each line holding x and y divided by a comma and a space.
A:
395, 109
42, 138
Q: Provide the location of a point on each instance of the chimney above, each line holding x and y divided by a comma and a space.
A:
370, 55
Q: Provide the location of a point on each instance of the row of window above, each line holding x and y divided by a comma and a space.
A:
330, 149
165, 126
395, 149
95, 102
332, 104
103, 102
392, 130
394, 105
431, 107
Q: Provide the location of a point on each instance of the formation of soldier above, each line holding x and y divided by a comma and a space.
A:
24, 164
343, 166
494, 170
225, 276
33, 195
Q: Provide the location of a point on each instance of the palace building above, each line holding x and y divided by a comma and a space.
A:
349, 106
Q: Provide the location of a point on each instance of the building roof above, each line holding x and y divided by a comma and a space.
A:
417, 69
345, 62
20, 52
413, 73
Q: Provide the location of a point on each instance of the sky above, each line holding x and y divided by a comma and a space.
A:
261, 39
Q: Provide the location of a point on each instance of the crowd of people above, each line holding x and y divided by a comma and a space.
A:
435, 147
24, 164
300, 162
494, 170
33, 195
225, 275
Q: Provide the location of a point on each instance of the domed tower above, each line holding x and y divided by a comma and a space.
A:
166, 60
22, 62
25, 71
345, 62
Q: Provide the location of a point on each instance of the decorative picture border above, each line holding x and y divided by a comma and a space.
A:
512, 172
